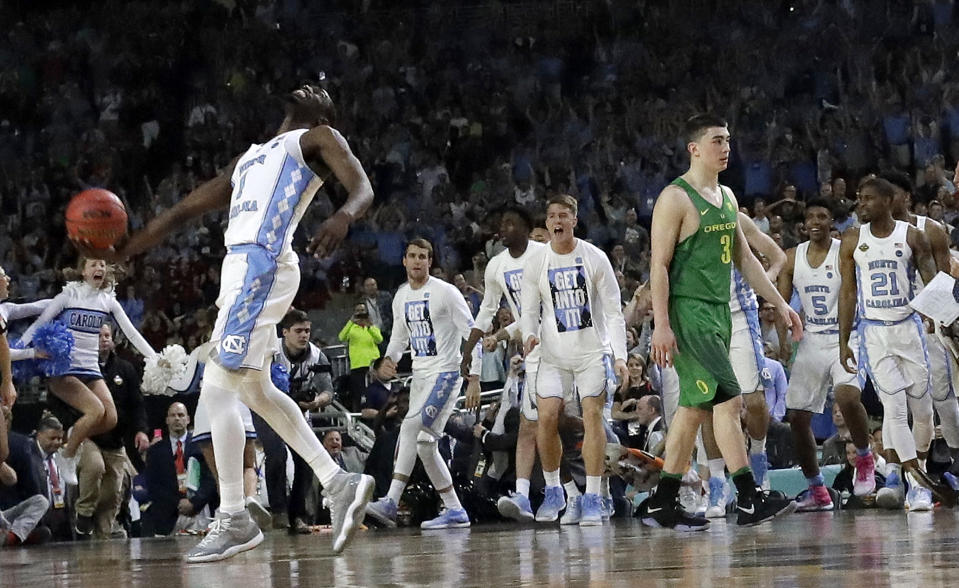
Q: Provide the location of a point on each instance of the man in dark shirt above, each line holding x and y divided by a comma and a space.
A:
22, 489
103, 459
378, 391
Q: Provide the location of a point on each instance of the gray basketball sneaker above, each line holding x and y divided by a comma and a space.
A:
347, 496
228, 535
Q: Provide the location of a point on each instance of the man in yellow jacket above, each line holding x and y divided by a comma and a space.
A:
363, 338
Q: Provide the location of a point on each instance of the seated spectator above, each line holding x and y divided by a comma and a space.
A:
472, 296
49, 438
386, 425
834, 448
363, 339
377, 392
844, 481
624, 403
652, 431
22, 500
171, 507
350, 459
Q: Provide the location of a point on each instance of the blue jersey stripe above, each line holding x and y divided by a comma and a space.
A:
291, 182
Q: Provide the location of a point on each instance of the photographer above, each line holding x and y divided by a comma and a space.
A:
311, 387
363, 339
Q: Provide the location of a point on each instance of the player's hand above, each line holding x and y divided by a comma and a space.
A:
845, 357
531, 342
478, 430
141, 441
791, 319
466, 365
40, 354
473, 393
622, 373
663, 346
330, 234
8, 394
113, 254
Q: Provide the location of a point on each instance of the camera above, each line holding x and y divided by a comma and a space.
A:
301, 385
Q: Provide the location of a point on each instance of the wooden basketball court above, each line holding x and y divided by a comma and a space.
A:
861, 549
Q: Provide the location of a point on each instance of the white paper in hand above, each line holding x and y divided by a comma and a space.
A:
936, 300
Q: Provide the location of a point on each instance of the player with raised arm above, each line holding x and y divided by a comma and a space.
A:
267, 190
696, 240
812, 270
435, 320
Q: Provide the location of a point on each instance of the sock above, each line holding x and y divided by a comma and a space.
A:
745, 483
592, 484
522, 486
405, 458
396, 490
604, 487
228, 436
816, 480
864, 451
757, 446
284, 417
450, 500
572, 490
552, 478
667, 491
894, 468
717, 468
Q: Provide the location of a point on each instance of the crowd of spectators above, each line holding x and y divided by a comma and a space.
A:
451, 121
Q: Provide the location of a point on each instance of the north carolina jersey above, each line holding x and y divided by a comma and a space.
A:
741, 294
83, 309
272, 187
818, 288
885, 274
433, 320
582, 318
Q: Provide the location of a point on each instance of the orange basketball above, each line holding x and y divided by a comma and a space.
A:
96, 216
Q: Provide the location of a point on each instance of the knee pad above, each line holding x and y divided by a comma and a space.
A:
425, 441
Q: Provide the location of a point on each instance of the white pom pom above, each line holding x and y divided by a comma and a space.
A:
162, 369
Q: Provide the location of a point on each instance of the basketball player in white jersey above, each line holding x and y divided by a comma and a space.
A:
942, 365
435, 320
266, 190
812, 270
748, 360
582, 331
877, 262
503, 280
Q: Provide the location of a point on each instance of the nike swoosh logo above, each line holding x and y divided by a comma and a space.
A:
750, 510
703, 212
652, 510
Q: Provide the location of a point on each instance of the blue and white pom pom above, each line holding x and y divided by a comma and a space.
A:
56, 340
280, 376
159, 371
25, 369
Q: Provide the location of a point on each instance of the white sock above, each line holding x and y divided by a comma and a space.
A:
604, 488
592, 484
572, 490
450, 500
396, 490
757, 446
284, 417
522, 486
894, 467
405, 457
228, 436
717, 468
552, 478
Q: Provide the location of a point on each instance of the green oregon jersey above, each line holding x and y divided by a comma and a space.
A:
701, 263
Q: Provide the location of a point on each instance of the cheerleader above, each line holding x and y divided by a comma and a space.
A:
83, 305
10, 312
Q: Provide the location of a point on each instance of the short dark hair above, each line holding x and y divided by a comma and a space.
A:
377, 362
883, 187
523, 215
820, 203
697, 124
293, 317
898, 179
316, 107
421, 243
656, 404
564, 200
48, 422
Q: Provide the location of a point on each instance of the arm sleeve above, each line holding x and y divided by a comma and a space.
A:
19, 311
512, 328
52, 310
130, 331
463, 319
491, 299
376, 334
345, 331
531, 299
21, 354
608, 290
400, 335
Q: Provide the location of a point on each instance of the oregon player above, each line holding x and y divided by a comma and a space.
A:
695, 238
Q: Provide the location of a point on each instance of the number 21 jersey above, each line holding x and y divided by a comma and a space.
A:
884, 273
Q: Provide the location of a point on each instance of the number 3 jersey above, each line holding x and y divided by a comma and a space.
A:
582, 316
884, 273
433, 320
818, 289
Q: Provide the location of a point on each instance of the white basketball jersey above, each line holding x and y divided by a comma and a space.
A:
741, 294
884, 272
272, 187
818, 288
503, 280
